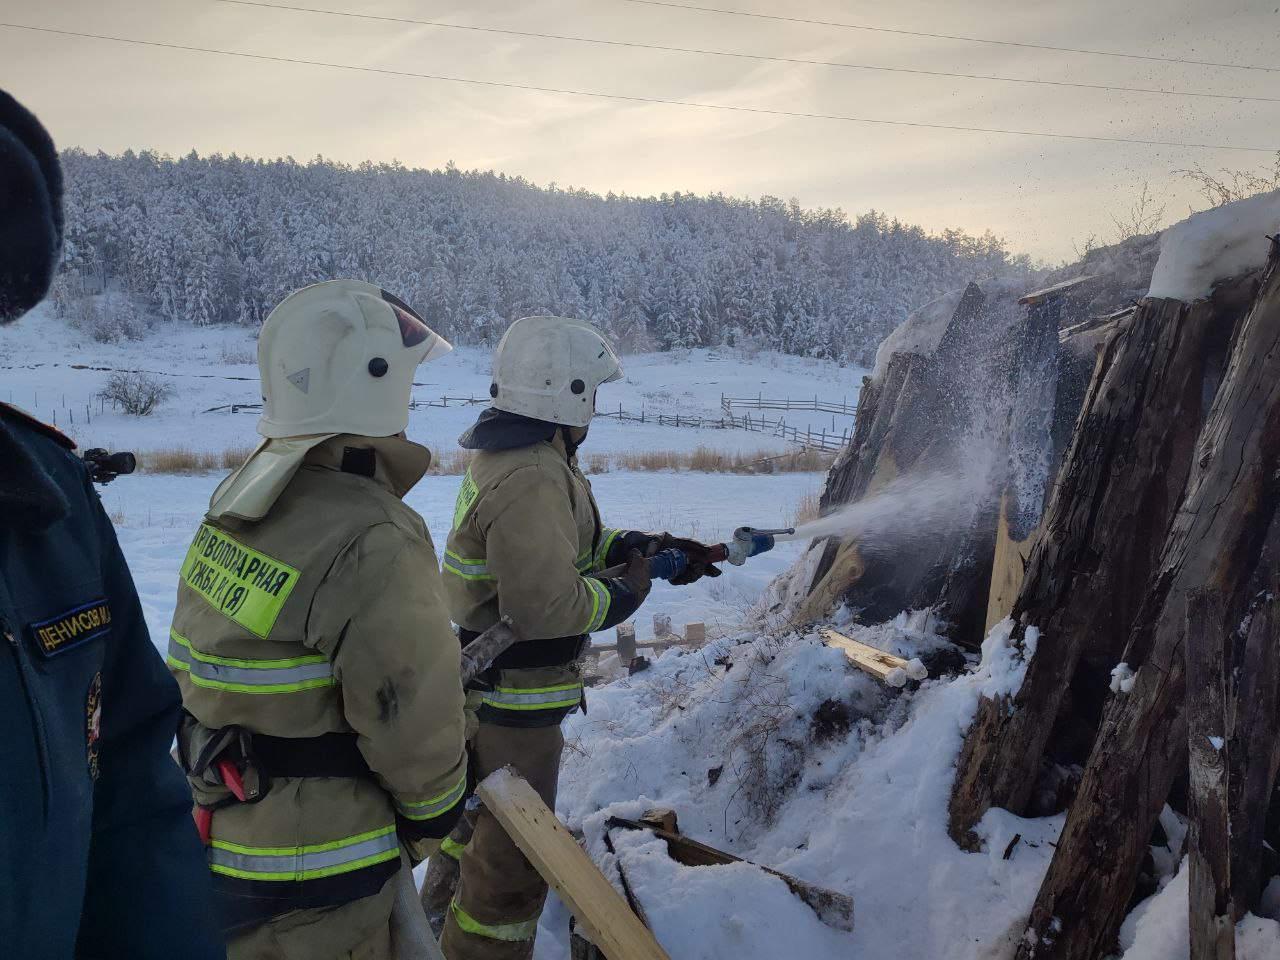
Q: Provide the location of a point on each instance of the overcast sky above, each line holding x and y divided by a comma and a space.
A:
1042, 195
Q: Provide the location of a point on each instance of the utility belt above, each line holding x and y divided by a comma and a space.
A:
540, 704
234, 765
532, 654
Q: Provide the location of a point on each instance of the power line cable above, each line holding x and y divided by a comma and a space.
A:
625, 98
949, 36
742, 56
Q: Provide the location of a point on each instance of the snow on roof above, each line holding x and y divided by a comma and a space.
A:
1214, 244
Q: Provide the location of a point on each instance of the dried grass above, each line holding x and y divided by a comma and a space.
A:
710, 460
451, 463
186, 460
807, 509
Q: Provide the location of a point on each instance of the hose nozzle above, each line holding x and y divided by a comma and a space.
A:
750, 541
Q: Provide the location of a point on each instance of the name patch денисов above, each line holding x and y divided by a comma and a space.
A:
69, 630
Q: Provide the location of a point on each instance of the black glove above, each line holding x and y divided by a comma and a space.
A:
699, 555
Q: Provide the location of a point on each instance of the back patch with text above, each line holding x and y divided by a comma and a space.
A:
239, 582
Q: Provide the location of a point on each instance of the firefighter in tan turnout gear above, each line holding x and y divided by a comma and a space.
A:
527, 542
319, 672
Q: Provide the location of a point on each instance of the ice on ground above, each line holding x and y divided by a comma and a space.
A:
1213, 245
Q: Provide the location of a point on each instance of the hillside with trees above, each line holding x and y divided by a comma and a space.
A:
220, 240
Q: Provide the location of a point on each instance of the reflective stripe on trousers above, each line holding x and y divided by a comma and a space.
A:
559, 697
452, 848
249, 676
524, 930
309, 862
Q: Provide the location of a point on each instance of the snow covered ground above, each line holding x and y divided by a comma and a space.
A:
774, 748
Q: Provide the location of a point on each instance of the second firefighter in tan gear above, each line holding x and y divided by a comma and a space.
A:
319, 672
528, 542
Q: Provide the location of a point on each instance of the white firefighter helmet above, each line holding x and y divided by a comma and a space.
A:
339, 357
336, 357
548, 368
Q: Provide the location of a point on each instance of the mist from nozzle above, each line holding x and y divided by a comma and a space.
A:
904, 509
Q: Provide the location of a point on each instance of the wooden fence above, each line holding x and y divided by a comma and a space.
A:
761, 402
831, 440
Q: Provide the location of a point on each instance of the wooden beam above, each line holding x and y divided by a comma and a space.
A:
865, 657
1212, 924
832, 908
599, 908
1057, 290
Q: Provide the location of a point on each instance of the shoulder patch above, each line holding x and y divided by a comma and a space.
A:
16, 415
239, 582
467, 496
71, 629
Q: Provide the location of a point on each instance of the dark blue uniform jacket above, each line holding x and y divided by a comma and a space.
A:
98, 853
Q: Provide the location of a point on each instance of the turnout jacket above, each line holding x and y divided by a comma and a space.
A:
320, 630
98, 854
527, 542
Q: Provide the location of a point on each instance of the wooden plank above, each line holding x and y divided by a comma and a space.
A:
863, 656
1210, 911
1007, 569
598, 907
832, 908
1057, 290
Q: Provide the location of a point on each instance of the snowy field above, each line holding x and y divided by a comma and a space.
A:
44, 364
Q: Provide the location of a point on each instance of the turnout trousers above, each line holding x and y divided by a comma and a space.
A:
499, 897
360, 930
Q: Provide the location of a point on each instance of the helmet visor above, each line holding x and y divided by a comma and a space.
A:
414, 330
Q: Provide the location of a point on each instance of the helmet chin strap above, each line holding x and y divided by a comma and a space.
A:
573, 438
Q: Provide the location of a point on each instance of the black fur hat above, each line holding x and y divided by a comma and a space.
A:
30, 209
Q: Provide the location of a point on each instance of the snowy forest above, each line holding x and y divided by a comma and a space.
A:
222, 239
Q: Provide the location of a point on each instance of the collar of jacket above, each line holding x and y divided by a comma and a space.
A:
500, 430
401, 463
29, 497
